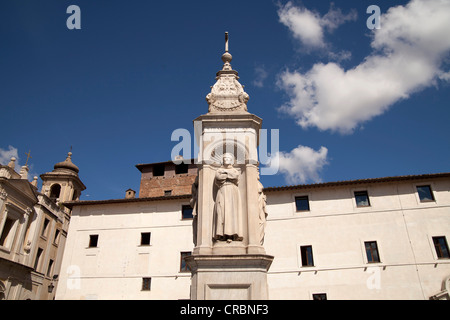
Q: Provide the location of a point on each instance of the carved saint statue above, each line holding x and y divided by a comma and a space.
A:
227, 209
262, 201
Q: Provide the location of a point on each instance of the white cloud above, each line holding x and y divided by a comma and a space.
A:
304, 24
302, 164
308, 26
334, 18
260, 75
408, 52
6, 154
445, 76
5, 157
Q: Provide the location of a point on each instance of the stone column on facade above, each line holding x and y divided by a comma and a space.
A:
204, 221
3, 196
20, 250
254, 245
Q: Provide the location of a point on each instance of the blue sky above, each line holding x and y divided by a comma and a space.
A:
350, 103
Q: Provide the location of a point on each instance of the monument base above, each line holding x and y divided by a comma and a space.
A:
229, 277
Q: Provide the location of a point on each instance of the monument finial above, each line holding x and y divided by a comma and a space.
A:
226, 57
227, 95
226, 41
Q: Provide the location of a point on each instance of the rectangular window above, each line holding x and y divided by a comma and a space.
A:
49, 269
45, 227
186, 212
302, 203
181, 168
307, 256
146, 284
93, 240
372, 251
56, 238
319, 296
38, 258
362, 199
7, 233
183, 265
425, 193
441, 246
167, 193
158, 170
145, 238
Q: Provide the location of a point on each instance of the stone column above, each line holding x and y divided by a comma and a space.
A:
205, 206
254, 246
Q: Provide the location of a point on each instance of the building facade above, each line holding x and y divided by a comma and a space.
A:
33, 229
380, 238
383, 238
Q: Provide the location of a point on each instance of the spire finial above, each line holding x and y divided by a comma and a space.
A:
226, 41
12, 162
69, 154
227, 94
226, 57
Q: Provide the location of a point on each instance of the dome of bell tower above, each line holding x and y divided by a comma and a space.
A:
67, 165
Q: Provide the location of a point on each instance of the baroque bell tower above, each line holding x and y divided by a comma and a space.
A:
63, 183
229, 260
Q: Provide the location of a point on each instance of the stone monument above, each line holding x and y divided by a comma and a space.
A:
229, 260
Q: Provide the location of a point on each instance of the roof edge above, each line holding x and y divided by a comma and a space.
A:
72, 204
361, 181
139, 166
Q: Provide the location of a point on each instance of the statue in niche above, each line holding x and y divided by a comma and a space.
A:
227, 224
262, 201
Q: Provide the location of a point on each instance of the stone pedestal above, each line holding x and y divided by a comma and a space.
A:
229, 277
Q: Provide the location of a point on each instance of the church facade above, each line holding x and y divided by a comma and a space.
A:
33, 229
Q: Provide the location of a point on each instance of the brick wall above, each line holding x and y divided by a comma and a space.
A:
155, 186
